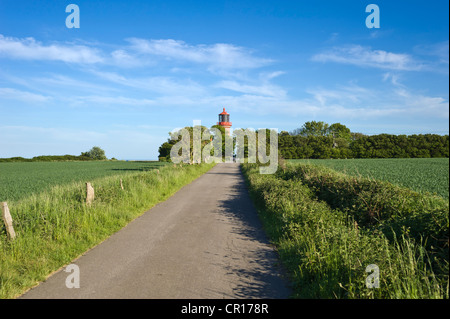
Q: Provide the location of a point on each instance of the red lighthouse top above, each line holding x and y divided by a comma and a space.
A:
224, 119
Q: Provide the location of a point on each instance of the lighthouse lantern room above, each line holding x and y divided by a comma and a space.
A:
224, 121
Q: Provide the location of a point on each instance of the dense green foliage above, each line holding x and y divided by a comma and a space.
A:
95, 153
205, 137
400, 146
328, 227
320, 128
55, 227
420, 174
376, 146
47, 158
377, 203
243, 143
19, 180
319, 140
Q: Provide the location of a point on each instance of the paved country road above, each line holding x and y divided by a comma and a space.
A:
206, 241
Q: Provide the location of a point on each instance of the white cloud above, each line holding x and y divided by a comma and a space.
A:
438, 51
24, 96
344, 103
271, 75
414, 103
122, 58
392, 77
30, 49
365, 56
159, 84
358, 102
265, 89
233, 81
65, 82
217, 56
112, 100
348, 95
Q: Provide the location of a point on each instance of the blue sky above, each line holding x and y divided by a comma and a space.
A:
136, 70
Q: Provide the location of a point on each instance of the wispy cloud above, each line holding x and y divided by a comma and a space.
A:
440, 51
216, 56
138, 53
30, 49
397, 100
264, 89
158, 84
367, 57
123, 58
49, 83
392, 77
111, 100
24, 96
344, 95
414, 103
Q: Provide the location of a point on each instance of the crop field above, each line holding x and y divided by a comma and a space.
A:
419, 174
21, 179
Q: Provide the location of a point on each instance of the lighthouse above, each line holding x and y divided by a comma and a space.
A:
224, 121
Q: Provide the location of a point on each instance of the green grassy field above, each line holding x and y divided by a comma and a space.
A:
19, 180
419, 174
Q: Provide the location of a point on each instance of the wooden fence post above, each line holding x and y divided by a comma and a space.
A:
7, 219
121, 184
89, 194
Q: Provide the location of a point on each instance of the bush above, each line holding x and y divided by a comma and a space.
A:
47, 158
392, 209
324, 247
95, 153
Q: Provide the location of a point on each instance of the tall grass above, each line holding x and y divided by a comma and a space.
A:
378, 204
22, 179
326, 251
56, 226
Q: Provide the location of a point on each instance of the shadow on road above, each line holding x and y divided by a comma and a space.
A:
266, 279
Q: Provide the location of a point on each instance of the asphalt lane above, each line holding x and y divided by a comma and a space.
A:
204, 242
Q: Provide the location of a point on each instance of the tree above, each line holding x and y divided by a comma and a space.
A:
184, 139
356, 135
339, 130
95, 153
164, 150
314, 128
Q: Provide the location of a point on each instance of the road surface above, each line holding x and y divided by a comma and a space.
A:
204, 242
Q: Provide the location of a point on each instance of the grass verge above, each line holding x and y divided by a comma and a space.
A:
325, 249
55, 227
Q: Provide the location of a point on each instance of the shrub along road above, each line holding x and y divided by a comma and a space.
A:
206, 241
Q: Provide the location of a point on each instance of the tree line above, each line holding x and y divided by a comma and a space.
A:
320, 140
95, 153
207, 135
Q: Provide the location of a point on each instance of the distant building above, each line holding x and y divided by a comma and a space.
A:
224, 121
